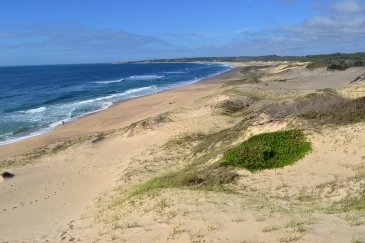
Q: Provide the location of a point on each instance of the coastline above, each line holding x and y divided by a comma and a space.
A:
101, 184
48, 127
116, 116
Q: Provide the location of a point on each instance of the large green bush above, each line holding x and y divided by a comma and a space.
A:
268, 151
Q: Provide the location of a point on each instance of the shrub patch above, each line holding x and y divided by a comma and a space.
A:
268, 151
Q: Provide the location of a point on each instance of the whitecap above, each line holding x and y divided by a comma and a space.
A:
137, 90
130, 93
109, 81
145, 77
36, 110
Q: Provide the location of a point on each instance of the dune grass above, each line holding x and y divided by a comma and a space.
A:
210, 178
234, 105
325, 107
268, 151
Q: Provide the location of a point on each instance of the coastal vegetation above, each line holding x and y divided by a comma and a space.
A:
335, 61
324, 107
263, 151
268, 151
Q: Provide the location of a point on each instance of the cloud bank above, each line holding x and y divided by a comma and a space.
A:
341, 28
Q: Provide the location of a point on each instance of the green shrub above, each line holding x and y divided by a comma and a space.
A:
268, 151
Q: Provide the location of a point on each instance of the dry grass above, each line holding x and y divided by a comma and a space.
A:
324, 108
151, 123
234, 105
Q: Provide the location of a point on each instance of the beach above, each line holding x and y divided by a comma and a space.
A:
119, 115
84, 181
41, 183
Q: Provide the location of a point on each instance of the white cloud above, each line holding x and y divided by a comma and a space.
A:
341, 27
349, 6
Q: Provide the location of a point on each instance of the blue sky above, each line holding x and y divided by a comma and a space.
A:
89, 31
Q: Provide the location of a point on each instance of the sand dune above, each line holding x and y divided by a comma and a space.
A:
75, 194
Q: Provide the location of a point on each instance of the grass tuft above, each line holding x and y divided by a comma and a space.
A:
209, 178
268, 151
234, 105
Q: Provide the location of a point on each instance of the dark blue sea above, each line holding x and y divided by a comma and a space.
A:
35, 99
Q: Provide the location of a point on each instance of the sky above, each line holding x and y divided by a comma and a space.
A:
34, 32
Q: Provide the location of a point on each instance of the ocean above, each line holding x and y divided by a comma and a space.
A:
35, 99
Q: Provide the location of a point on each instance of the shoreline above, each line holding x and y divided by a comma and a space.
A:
98, 121
51, 127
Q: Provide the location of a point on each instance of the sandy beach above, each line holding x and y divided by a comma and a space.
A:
70, 184
121, 114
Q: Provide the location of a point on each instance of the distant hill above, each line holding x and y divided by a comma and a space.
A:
335, 61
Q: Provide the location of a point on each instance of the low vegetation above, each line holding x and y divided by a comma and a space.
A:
265, 151
35, 154
234, 105
359, 78
250, 75
210, 178
150, 123
337, 61
207, 160
326, 108
351, 204
268, 151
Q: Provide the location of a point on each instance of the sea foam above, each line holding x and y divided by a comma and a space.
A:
145, 77
36, 110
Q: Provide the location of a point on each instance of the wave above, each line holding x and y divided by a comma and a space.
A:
67, 112
125, 93
133, 91
196, 79
36, 110
109, 81
145, 77
47, 117
16, 139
